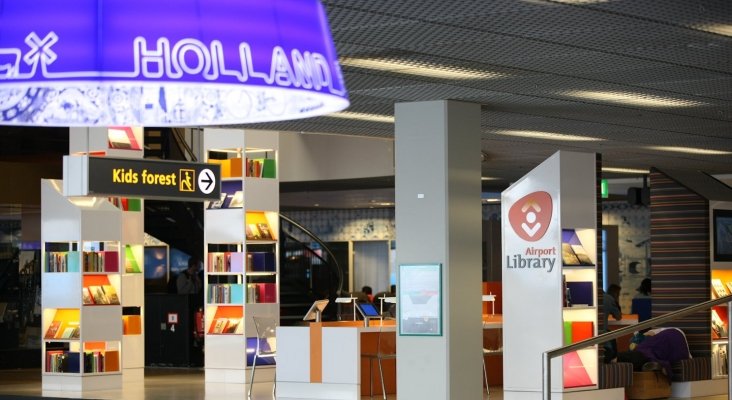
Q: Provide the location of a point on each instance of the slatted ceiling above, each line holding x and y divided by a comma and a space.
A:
545, 49
676, 12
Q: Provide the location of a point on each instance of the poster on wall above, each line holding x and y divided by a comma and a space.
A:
420, 300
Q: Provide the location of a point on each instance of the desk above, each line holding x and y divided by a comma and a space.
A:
323, 360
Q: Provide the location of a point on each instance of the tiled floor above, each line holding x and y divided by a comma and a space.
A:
168, 383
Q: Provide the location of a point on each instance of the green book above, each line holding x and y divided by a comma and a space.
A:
269, 169
567, 332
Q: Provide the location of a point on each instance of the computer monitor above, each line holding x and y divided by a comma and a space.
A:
368, 310
316, 310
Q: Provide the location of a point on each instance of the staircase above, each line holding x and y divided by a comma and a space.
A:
307, 273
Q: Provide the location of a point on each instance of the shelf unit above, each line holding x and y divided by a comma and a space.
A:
124, 142
82, 297
241, 250
551, 209
721, 284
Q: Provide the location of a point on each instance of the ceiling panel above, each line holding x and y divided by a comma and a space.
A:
635, 73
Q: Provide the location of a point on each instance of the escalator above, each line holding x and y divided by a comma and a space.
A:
309, 271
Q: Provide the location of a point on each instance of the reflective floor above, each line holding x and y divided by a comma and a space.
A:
165, 383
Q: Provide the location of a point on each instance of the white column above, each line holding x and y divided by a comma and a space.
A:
438, 220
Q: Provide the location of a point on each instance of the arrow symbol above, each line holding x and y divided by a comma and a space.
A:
208, 180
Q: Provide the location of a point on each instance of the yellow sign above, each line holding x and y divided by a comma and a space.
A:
187, 180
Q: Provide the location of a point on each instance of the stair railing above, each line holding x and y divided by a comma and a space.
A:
337, 267
548, 355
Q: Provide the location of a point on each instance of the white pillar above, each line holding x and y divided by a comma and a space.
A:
438, 220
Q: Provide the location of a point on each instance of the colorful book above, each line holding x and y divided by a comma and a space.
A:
719, 289
264, 231
582, 256
67, 333
219, 325
252, 232
53, 329
86, 297
98, 294
568, 256
232, 325
111, 294
237, 200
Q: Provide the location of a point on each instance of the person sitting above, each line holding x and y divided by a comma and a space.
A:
661, 348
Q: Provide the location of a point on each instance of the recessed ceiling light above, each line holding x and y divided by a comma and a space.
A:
363, 116
491, 200
630, 98
546, 135
419, 69
625, 170
489, 178
721, 29
690, 150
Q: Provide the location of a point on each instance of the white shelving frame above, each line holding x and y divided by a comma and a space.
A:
226, 354
534, 312
95, 141
80, 222
719, 269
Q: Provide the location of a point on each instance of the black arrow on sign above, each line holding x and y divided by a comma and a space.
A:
208, 180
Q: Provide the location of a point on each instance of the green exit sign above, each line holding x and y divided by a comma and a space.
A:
604, 191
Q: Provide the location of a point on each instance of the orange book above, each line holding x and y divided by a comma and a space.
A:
132, 324
582, 330
111, 361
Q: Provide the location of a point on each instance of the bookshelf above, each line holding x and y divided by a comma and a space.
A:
720, 219
123, 142
82, 291
549, 229
241, 250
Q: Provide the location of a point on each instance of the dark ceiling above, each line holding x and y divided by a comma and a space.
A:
621, 77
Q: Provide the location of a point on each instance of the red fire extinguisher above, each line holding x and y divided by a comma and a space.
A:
198, 330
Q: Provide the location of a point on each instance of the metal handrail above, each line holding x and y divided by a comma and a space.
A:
548, 355
325, 247
179, 133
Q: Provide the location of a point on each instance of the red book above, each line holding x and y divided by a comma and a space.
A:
582, 330
575, 373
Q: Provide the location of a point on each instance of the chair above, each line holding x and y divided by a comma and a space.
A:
265, 327
486, 352
385, 350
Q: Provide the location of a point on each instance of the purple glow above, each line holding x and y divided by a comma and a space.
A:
138, 62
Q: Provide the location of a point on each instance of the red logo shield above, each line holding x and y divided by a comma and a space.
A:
530, 216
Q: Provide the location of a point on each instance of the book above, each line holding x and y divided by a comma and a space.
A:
86, 297
581, 293
719, 289
219, 325
568, 256
232, 325
111, 294
237, 200
264, 231
67, 333
252, 232
582, 330
218, 203
98, 294
582, 256
53, 329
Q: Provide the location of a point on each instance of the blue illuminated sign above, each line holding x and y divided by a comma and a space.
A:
174, 62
